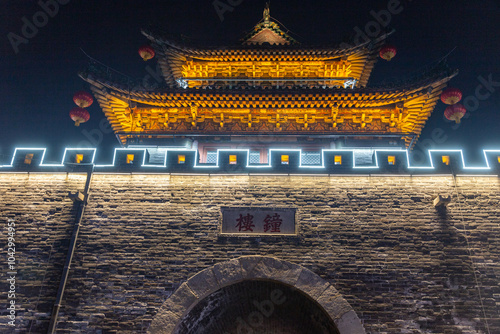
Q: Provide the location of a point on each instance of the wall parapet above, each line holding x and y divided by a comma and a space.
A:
280, 161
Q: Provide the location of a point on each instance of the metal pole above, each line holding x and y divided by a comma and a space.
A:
71, 251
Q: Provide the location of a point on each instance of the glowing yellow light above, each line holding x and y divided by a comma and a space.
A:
28, 158
252, 111
264, 69
130, 158
391, 160
181, 159
284, 159
446, 159
78, 158
233, 113
499, 159
338, 160
232, 159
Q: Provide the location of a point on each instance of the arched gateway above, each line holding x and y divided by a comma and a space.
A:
255, 293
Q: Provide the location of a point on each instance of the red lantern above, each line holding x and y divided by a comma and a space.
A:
79, 115
146, 52
83, 99
455, 112
451, 96
388, 52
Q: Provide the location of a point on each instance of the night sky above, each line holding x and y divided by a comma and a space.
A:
39, 80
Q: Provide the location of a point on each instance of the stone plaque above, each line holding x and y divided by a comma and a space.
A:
258, 221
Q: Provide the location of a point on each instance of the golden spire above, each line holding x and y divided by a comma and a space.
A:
267, 15
268, 31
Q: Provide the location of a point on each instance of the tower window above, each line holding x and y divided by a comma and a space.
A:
211, 157
254, 157
311, 158
27, 158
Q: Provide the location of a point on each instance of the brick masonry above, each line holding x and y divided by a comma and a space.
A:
402, 265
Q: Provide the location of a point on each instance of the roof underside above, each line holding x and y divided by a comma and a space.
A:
363, 110
173, 56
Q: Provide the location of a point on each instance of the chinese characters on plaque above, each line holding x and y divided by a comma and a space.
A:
258, 221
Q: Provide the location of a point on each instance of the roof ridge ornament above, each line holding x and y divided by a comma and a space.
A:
266, 13
267, 31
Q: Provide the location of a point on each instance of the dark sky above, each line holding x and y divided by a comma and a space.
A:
38, 81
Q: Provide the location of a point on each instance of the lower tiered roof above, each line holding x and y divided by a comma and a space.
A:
399, 109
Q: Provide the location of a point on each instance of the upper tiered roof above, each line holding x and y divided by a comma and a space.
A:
269, 84
268, 56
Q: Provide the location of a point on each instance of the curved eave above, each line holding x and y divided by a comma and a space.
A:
302, 52
419, 100
371, 96
172, 56
113, 108
166, 67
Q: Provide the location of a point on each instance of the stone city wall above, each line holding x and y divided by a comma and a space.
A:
402, 265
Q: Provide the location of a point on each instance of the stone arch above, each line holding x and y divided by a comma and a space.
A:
221, 275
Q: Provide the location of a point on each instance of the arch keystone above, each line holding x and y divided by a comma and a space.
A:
276, 270
248, 263
228, 272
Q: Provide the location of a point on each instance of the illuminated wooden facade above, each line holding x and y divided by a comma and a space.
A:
270, 85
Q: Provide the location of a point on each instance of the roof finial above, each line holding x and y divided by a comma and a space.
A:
266, 12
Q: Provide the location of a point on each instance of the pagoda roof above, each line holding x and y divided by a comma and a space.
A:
269, 48
360, 97
270, 84
173, 55
417, 97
